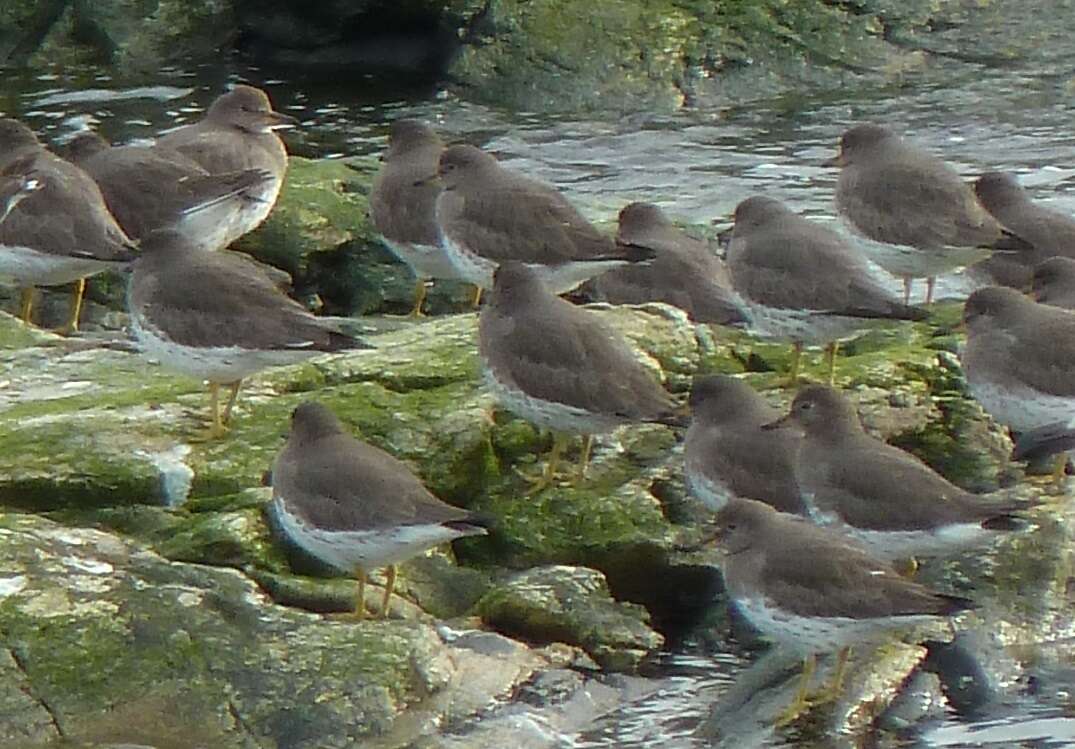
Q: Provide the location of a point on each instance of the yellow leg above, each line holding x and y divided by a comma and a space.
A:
830, 360
799, 703
931, 283
419, 297
1060, 468
76, 306
389, 586
233, 395
796, 356
906, 567
476, 297
216, 427
545, 479
831, 691
584, 459
907, 290
360, 606
26, 304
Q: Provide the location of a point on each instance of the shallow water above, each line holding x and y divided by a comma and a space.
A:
697, 165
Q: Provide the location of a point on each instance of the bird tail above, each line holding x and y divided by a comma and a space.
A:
954, 604
893, 311
677, 417
475, 522
1042, 442
223, 187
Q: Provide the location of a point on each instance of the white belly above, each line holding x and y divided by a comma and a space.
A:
219, 364
784, 324
557, 417
33, 268
425, 260
468, 265
714, 494
349, 551
1019, 407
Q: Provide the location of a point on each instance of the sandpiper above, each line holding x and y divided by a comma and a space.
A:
216, 316
1053, 282
803, 282
924, 217
488, 215
561, 367
354, 506
403, 204
886, 499
58, 232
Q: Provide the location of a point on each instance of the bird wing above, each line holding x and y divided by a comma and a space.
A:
402, 210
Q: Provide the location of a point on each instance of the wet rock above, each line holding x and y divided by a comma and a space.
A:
572, 605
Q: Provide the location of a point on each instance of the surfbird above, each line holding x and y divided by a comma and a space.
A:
238, 133
217, 316
152, 187
58, 232
684, 272
561, 367
812, 591
924, 219
886, 499
354, 506
403, 204
1019, 359
727, 454
803, 282
1053, 282
488, 215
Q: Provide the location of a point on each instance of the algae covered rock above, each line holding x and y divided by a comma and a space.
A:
572, 605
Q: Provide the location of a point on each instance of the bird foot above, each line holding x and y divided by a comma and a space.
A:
541, 481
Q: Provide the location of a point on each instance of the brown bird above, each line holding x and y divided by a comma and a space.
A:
403, 204
802, 282
151, 187
727, 454
886, 499
1053, 282
218, 316
236, 134
561, 367
925, 216
811, 591
684, 272
58, 232
354, 506
489, 215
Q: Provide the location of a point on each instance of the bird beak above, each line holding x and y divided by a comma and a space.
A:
783, 421
837, 160
280, 121
433, 179
724, 237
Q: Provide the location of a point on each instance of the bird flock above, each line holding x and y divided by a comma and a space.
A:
812, 514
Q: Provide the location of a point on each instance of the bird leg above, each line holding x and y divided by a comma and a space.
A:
796, 355
77, 295
800, 702
831, 691
1060, 466
476, 297
233, 395
584, 458
907, 281
389, 586
830, 359
419, 298
931, 283
216, 427
26, 304
545, 479
360, 606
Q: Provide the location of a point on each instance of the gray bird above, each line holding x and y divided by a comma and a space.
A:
151, 187
58, 232
488, 215
1019, 359
403, 204
1053, 282
684, 272
218, 316
811, 591
561, 367
354, 506
886, 499
238, 133
727, 454
925, 217
803, 282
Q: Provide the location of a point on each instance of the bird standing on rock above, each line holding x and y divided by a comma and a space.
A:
925, 218
561, 367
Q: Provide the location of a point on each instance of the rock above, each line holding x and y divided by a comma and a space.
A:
107, 641
572, 605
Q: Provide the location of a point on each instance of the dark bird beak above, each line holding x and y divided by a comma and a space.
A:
837, 160
280, 121
432, 179
780, 423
